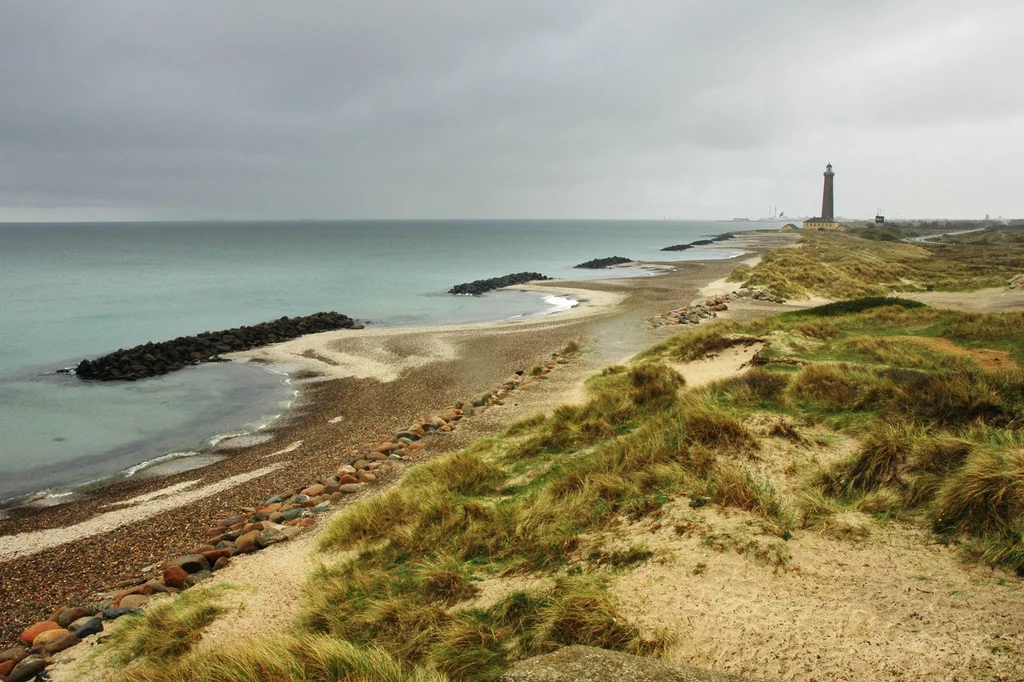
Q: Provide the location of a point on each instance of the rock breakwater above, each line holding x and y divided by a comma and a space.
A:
700, 242
599, 263
482, 286
152, 359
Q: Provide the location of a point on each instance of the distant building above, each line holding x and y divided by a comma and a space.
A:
879, 219
827, 221
789, 227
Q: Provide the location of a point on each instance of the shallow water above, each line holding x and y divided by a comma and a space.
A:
78, 290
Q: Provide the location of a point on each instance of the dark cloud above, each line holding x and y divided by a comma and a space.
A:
705, 108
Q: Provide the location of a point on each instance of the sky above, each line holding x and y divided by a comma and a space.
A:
699, 109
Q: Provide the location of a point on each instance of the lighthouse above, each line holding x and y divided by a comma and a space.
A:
827, 221
828, 204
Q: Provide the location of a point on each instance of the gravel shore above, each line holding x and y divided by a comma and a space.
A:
333, 418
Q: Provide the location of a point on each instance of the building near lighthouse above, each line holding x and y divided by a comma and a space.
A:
827, 221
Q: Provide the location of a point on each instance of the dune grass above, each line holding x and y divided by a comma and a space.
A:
169, 629
847, 266
941, 434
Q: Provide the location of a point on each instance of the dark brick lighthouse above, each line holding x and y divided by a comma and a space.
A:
828, 205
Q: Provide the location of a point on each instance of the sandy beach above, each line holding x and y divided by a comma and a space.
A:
358, 386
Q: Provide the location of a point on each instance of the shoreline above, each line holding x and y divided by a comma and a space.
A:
334, 416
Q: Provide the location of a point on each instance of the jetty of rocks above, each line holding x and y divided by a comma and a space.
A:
272, 521
482, 286
151, 359
700, 242
599, 263
696, 313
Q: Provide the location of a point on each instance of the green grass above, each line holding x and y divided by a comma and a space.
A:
169, 629
940, 433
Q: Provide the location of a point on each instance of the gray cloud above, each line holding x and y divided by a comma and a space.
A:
704, 108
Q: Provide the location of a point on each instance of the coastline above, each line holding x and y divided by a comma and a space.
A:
345, 406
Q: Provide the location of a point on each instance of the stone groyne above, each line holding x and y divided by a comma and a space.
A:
599, 263
700, 242
482, 286
151, 359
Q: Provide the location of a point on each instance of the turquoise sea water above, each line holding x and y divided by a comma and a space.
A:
71, 291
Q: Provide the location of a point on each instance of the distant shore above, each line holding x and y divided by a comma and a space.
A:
355, 387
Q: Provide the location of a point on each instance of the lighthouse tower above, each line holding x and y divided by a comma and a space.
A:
827, 221
828, 205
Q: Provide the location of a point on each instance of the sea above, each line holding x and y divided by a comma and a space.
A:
78, 290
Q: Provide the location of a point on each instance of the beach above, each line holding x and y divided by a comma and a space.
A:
361, 386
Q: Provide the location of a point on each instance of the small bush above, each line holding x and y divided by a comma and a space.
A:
857, 305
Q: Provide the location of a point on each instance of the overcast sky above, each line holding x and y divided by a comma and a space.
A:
126, 109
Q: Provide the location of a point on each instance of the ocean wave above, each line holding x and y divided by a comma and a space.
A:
136, 468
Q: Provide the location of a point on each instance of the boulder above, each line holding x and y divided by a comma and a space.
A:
192, 563
44, 638
67, 616
347, 478
196, 578
6, 667
222, 562
175, 576
83, 627
13, 654
134, 600
367, 477
590, 664
30, 633
350, 488
65, 640
313, 490
27, 669
247, 542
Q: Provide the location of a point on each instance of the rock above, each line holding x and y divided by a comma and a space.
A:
134, 600
30, 633
117, 612
313, 490
481, 286
44, 638
175, 576
347, 478
350, 488
65, 640
191, 563
600, 263
321, 507
216, 554
83, 627
156, 586
290, 532
269, 537
27, 669
376, 457
6, 667
159, 358
247, 543
342, 471
590, 664
222, 562
196, 578
14, 654
69, 615
367, 477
